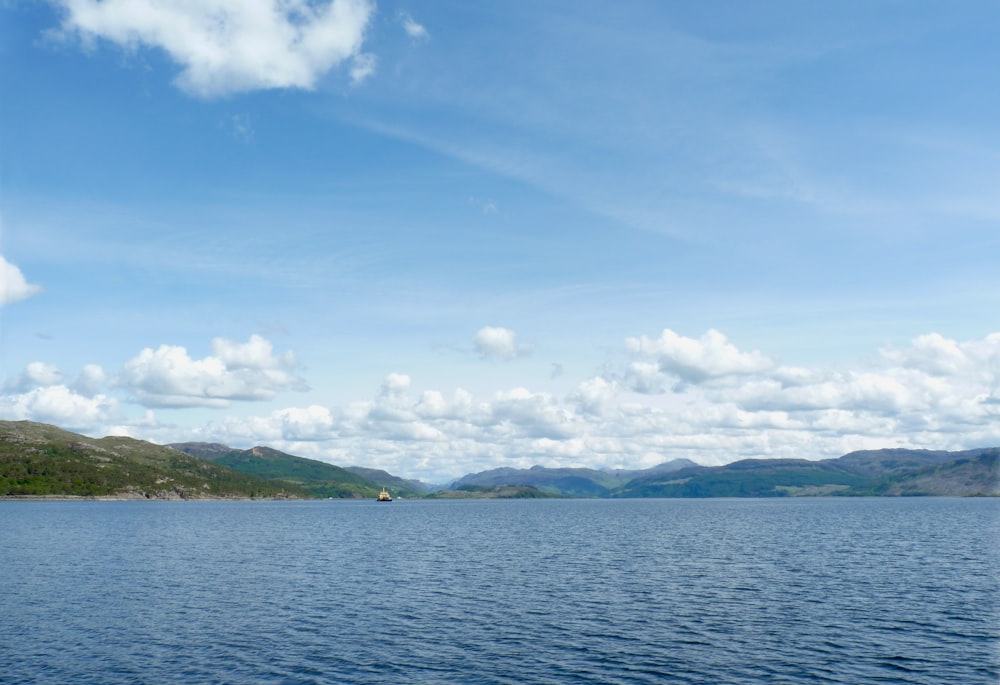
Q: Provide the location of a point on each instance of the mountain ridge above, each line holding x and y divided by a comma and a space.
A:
44, 460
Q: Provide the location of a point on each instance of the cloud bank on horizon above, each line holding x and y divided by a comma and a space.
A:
470, 235
714, 403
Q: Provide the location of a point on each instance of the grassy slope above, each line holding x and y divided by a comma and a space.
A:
318, 478
38, 459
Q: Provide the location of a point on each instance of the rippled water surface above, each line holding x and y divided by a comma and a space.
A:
658, 591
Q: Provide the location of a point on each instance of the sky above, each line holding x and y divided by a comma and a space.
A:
442, 237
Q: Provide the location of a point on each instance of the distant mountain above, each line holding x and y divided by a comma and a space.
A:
41, 460
891, 472
399, 487
318, 478
899, 461
492, 492
923, 472
565, 482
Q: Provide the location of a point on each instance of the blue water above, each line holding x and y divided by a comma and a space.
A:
634, 591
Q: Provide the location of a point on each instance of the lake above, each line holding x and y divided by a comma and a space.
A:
516, 591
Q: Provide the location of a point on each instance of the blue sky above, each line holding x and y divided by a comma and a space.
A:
442, 237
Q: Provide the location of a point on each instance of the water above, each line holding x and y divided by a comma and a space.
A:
634, 591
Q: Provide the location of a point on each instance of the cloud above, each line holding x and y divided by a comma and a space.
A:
499, 343
595, 397
169, 377
230, 46
61, 406
13, 286
413, 29
521, 412
91, 380
241, 128
936, 355
35, 375
362, 66
690, 360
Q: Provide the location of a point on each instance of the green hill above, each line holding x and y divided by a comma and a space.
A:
400, 487
42, 460
318, 478
492, 492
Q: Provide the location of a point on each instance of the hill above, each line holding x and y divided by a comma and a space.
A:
893, 472
564, 482
318, 478
492, 492
42, 460
400, 487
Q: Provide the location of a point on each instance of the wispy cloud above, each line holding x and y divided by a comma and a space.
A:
241, 127
362, 67
413, 29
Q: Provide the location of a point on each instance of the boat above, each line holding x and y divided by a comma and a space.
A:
384, 496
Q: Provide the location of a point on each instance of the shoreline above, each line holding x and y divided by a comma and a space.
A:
140, 498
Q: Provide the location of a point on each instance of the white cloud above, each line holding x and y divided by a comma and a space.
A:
692, 360
230, 46
36, 375
523, 413
91, 380
257, 353
312, 423
595, 396
59, 405
939, 356
395, 384
169, 377
13, 286
499, 343
413, 29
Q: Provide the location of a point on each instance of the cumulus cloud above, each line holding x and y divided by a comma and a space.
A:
521, 412
691, 360
35, 375
91, 380
413, 29
499, 343
169, 377
939, 356
230, 46
13, 285
595, 396
59, 405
